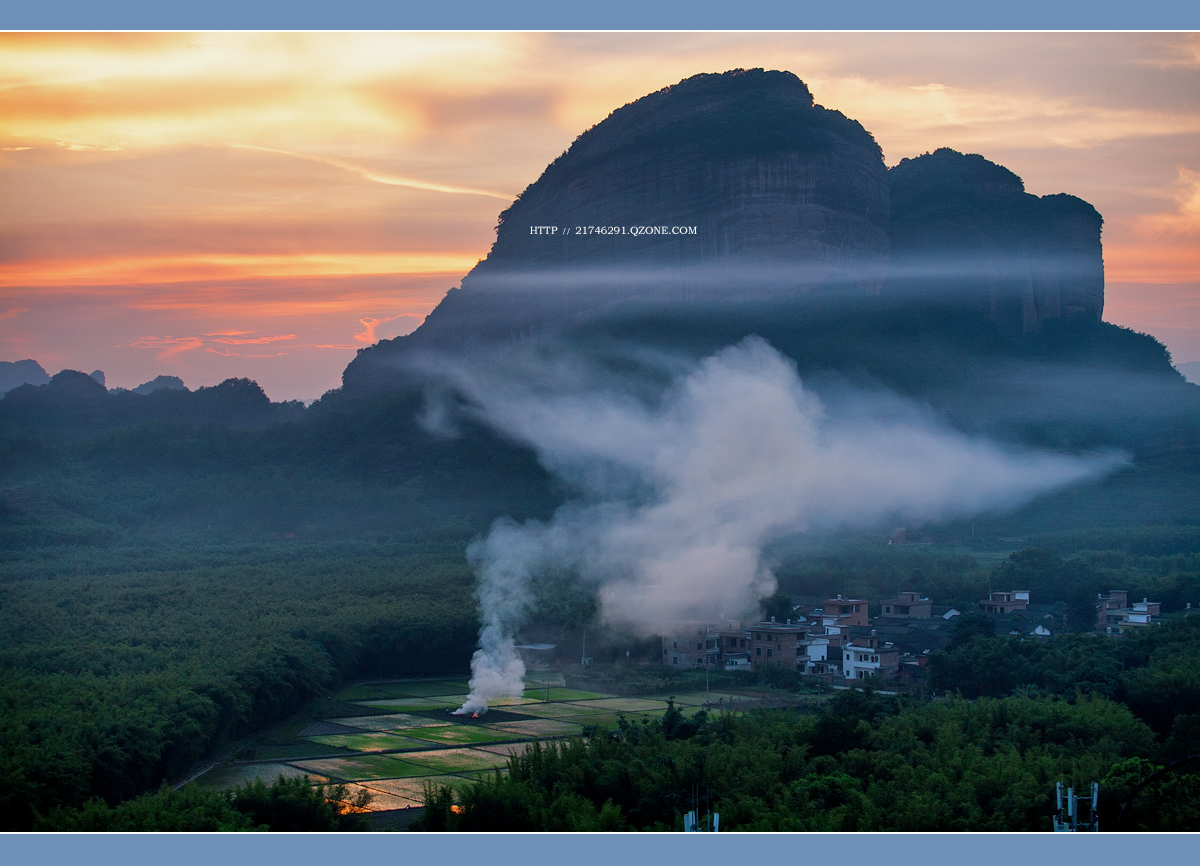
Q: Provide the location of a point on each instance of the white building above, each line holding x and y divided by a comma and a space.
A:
866, 657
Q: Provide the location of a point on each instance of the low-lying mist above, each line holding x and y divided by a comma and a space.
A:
684, 470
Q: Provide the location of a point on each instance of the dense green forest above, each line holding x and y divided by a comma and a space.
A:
284, 805
123, 667
865, 762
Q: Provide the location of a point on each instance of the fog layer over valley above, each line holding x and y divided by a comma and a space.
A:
679, 491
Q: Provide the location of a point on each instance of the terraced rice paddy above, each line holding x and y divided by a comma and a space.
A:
457, 760
369, 742
459, 735
355, 769
540, 728
391, 739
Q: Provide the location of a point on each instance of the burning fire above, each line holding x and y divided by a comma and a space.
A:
457, 810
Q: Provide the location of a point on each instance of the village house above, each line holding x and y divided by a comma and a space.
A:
1108, 605
867, 657
907, 604
691, 644
778, 643
1005, 602
912, 667
845, 611
735, 648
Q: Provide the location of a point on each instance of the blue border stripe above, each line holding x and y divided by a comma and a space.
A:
602, 15
580, 850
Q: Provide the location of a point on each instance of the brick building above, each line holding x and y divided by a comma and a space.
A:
778, 643
908, 604
847, 611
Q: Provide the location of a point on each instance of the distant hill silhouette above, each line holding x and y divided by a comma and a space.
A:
173, 383
14, 373
74, 405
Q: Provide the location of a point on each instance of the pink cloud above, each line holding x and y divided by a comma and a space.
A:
234, 341
370, 324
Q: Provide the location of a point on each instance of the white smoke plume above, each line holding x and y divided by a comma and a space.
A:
681, 491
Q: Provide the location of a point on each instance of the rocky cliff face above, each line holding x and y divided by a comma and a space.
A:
964, 230
786, 198
783, 196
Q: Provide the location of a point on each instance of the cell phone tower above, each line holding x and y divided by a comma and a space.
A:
1067, 819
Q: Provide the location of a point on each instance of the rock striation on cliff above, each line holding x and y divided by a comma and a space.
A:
964, 230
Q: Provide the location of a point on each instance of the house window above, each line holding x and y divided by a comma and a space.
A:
758, 650
674, 644
675, 660
743, 641
768, 652
699, 645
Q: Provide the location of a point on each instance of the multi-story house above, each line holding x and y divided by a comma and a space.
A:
1107, 606
735, 648
778, 643
845, 611
867, 657
819, 658
909, 604
691, 644
1005, 602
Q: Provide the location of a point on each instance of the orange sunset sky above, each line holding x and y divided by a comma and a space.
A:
256, 204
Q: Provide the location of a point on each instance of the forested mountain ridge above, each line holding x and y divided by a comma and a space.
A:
73, 405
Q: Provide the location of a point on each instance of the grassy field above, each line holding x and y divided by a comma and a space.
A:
391, 738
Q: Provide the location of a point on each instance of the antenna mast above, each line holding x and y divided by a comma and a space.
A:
1066, 816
